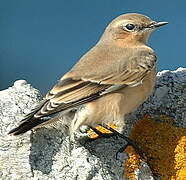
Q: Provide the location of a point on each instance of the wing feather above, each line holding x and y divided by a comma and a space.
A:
71, 91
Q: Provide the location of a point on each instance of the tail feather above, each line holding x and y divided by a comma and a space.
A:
27, 125
30, 121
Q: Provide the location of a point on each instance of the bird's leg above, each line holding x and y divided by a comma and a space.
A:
100, 134
130, 142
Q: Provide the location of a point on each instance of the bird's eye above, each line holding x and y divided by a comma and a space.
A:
130, 27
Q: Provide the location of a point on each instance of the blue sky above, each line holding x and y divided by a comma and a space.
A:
41, 39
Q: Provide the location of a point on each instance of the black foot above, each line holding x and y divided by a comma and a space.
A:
100, 134
130, 142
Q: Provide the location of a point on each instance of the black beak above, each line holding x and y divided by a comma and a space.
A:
157, 24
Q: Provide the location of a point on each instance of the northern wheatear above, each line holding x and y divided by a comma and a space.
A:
111, 80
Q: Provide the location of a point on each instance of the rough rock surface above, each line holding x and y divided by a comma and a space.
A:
48, 154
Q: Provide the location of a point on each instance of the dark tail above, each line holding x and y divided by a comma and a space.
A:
29, 121
27, 125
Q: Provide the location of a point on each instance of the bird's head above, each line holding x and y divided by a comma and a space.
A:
130, 28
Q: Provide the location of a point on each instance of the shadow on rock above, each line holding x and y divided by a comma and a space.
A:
105, 149
45, 144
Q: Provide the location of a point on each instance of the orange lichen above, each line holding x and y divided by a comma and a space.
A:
180, 158
132, 164
93, 135
164, 146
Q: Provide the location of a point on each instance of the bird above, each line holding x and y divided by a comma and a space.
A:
108, 82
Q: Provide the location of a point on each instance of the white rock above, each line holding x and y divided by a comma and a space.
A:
20, 83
